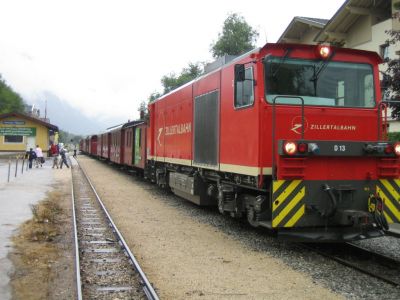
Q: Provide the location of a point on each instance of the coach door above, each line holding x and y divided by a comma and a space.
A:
138, 146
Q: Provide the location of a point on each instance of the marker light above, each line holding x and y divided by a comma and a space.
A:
389, 149
290, 148
397, 149
302, 147
324, 51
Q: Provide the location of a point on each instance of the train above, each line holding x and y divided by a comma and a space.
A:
291, 137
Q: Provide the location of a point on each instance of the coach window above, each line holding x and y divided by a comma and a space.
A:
244, 90
13, 139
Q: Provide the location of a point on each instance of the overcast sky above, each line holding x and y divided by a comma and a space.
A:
105, 57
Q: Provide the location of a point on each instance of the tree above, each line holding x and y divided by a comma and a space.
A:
391, 81
154, 96
172, 81
10, 101
68, 138
237, 37
143, 110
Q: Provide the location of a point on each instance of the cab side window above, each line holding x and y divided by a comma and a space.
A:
244, 90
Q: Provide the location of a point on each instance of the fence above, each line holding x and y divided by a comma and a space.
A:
15, 165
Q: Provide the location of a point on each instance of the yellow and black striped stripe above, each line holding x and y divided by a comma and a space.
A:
389, 191
287, 202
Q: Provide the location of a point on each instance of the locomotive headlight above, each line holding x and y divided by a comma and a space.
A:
397, 149
323, 51
290, 148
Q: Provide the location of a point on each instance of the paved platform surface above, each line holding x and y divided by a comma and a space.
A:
16, 197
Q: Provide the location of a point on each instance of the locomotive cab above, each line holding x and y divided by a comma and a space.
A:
334, 175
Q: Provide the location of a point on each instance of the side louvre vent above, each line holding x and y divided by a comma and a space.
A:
206, 129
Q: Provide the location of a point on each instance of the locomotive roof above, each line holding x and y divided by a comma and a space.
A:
305, 46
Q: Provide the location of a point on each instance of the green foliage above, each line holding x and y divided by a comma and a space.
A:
172, 81
154, 96
391, 79
10, 101
237, 37
68, 138
394, 136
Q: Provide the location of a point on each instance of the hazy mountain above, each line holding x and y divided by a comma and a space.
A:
70, 119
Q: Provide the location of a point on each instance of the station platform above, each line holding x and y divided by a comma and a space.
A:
16, 197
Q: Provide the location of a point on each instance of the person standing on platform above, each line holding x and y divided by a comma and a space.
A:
39, 156
63, 158
55, 154
31, 157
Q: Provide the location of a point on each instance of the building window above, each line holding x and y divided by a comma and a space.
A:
384, 51
244, 94
13, 139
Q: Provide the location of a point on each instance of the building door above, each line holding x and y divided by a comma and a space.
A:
30, 142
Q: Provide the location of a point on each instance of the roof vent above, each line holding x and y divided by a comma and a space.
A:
218, 63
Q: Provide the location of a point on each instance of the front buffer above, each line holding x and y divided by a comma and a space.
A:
334, 211
329, 210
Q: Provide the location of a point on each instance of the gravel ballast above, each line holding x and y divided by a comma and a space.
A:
192, 252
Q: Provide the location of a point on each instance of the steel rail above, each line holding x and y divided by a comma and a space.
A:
77, 261
392, 233
348, 263
147, 288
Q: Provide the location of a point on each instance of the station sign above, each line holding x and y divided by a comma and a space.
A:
13, 122
24, 131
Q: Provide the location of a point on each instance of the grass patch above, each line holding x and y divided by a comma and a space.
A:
42, 227
36, 251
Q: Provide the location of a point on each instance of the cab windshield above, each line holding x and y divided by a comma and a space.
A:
322, 83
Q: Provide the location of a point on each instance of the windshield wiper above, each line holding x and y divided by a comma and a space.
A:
322, 66
284, 57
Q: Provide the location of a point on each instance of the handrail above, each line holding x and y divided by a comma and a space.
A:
384, 104
273, 126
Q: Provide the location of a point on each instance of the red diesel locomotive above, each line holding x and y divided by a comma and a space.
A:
292, 137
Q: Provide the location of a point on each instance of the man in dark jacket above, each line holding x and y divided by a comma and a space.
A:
31, 156
63, 158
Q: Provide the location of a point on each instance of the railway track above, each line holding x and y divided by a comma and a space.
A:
106, 268
373, 264
393, 233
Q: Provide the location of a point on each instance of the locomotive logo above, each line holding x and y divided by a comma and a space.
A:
297, 127
297, 124
175, 129
160, 130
